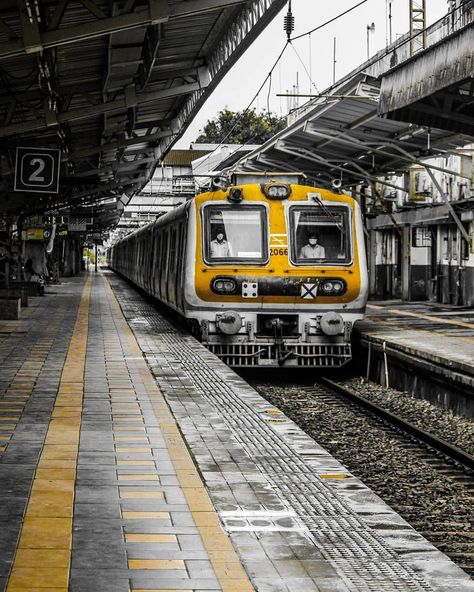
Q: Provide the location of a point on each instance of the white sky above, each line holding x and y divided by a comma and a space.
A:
241, 83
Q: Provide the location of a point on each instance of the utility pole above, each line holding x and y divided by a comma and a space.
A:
389, 6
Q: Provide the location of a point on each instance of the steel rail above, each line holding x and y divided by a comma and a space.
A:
431, 440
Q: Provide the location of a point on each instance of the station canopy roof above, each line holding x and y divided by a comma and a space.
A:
341, 136
112, 84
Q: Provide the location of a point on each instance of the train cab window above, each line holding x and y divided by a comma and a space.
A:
320, 235
235, 234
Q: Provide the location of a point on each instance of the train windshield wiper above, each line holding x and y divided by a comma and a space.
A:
328, 213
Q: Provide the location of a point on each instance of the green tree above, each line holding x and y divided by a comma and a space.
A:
241, 127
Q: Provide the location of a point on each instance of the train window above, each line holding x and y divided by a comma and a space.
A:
235, 234
320, 235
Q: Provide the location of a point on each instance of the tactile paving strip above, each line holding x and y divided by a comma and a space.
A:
189, 375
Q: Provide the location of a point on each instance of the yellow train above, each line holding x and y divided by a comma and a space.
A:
266, 271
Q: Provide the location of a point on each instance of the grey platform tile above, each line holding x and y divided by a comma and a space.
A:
163, 551
159, 581
104, 511
151, 505
90, 555
124, 456
276, 584
18, 455
91, 494
148, 527
200, 569
12, 506
96, 458
190, 542
6, 559
91, 446
98, 581
96, 474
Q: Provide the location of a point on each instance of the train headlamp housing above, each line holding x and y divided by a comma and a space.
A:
276, 190
236, 195
333, 287
223, 285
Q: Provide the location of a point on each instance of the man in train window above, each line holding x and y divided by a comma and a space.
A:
312, 250
220, 247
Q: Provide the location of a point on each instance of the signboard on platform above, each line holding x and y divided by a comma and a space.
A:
37, 170
32, 234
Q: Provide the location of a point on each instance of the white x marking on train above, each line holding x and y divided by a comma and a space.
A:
309, 291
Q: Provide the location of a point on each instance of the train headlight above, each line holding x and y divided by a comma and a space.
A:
277, 190
331, 323
223, 285
333, 287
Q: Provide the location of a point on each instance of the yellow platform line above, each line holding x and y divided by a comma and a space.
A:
43, 556
222, 555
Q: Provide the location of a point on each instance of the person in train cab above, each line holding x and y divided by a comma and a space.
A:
220, 247
312, 250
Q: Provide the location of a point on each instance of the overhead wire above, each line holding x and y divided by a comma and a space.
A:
269, 75
334, 18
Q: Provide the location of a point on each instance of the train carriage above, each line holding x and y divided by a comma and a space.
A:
267, 272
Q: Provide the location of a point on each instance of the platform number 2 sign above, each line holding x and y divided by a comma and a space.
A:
37, 170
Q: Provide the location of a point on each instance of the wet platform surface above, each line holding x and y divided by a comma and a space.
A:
134, 461
438, 333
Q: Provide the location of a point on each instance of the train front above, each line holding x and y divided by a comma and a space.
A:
279, 274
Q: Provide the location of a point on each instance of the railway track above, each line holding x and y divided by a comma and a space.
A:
426, 479
452, 452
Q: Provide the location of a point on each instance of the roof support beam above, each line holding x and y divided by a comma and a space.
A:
31, 33
107, 107
459, 224
307, 155
115, 145
122, 22
397, 154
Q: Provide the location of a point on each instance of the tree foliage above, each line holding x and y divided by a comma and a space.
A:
241, 127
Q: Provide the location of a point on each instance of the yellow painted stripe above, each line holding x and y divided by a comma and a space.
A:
124, 494
156, 564
225, 562
43, 557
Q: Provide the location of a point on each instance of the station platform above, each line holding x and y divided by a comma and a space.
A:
132, 459
436, 338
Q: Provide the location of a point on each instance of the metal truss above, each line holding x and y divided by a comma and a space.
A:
152, 12
250, 22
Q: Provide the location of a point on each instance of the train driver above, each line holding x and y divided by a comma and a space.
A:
220, 247
312, 250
